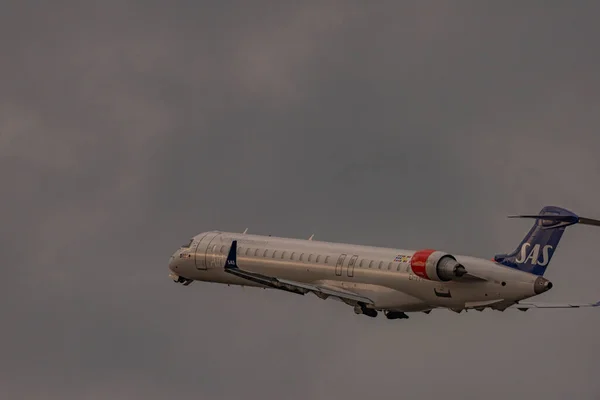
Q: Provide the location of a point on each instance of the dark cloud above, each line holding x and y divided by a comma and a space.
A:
127, 127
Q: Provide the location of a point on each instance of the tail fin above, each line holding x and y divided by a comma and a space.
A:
535, 251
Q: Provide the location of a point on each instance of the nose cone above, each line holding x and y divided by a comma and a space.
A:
541, 285
173, 261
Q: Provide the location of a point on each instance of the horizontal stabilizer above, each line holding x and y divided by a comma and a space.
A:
563, 218
552, 221
589, 221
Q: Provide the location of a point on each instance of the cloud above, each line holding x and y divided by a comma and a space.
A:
127, 128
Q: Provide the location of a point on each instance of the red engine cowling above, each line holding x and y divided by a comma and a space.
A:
436, 266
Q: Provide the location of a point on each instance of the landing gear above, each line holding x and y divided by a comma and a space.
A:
395, 315
361, 309
370, 312
180, 279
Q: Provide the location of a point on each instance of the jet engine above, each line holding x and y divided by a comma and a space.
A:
436, 266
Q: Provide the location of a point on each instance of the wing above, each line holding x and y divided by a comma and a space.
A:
321, 291
527, 306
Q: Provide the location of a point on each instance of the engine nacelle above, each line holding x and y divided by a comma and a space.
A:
436, 266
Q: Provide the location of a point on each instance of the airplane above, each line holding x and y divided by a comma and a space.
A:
377, 279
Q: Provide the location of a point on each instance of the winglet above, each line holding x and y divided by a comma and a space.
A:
231, 262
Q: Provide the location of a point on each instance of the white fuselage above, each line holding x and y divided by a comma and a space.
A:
383, 274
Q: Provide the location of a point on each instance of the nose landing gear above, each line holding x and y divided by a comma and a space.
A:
180, 279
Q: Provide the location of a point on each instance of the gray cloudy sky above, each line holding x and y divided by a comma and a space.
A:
128, 126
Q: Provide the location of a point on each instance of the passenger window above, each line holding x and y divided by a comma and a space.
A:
371, 264
283, 254
239, 250
327, 260
274, 253
302, 257
222, 251
390, 266
318, 258
380, 264
265, 253
248, 250
310, 258
292, 256
399, 265
407, 266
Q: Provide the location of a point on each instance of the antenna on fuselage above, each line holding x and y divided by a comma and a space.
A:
245, 231
311, 236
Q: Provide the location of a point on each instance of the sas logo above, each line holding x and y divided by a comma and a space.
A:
534, 254
401, 258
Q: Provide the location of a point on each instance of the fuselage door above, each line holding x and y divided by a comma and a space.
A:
351, 263
200, 253
339, 265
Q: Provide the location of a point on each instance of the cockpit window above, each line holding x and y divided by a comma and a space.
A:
188, 244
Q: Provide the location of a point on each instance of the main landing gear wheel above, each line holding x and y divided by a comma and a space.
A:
361, 309
395, 315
